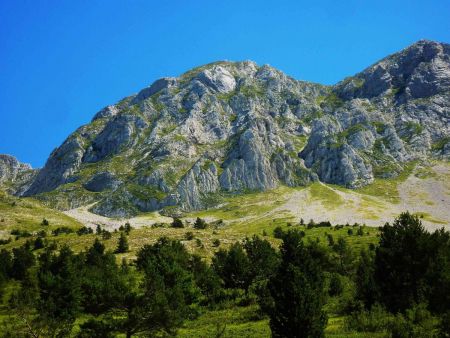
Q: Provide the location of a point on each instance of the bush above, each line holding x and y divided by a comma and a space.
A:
84, 231
417, 322
216, 242
45, 222
177, 223
5, 241
375, 320
42, 234
39, 243
106, 235
62, 230
278, 232
326, 224
189, 236
200, 224
20, 233
444, 325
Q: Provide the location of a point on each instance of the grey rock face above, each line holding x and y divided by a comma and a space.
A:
102, 181
155, 179
421, 70
196, 185
248, 166
15, 176
218, 78
10, 168
61, 165
116, 205
335, 154
237, 127
157, 86
108, 111
117, 134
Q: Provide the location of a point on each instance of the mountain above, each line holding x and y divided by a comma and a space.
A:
235, 127
15, 177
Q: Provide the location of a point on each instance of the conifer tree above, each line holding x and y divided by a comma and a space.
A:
297, 290
122, 245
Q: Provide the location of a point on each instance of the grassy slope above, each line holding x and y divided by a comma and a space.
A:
27, 214
244, 215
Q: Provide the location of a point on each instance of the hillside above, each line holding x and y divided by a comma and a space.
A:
185, 144
26, 214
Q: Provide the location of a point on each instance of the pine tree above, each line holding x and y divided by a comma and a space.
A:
6, 261
233, 266
297, 291
23, 259
366, 289
344, 256
127, 228
263, 258
401, 261
60, 292
168, 290
122, 245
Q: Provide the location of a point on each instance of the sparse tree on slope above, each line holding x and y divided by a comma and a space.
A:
297, 290
122, 246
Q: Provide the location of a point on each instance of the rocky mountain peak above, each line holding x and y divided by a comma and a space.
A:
231, 127
418, 71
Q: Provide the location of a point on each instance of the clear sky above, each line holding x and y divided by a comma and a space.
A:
62, 61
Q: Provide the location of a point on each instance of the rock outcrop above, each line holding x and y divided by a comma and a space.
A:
15, 176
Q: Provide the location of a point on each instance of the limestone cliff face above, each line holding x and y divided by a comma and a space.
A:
15, 176
236, 127
394, 111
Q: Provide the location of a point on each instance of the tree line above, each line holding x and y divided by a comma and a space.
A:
402, 285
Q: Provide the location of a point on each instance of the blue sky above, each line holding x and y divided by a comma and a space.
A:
62, 61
